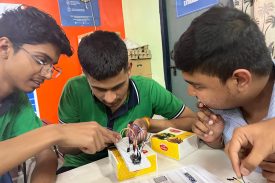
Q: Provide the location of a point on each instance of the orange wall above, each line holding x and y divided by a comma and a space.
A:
111, 19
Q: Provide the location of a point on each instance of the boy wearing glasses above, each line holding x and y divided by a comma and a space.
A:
30, 45
224, 58
108, 95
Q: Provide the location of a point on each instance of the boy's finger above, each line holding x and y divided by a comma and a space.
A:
254, 158
203, 108
202, 117
202, 127
199, 133
112, 136
197, 130
233, 153
199, 104
215, 117
206, 120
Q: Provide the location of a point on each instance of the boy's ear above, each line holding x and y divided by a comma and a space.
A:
5, 47
242, 78
129, 68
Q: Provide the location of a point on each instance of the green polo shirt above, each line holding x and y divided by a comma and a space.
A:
19, 118
146, 98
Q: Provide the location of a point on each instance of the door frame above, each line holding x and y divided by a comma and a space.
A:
165, 45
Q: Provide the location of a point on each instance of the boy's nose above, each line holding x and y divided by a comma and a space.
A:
191, 91
110, 97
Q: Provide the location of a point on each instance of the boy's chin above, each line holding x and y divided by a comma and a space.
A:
222, 108
29, 90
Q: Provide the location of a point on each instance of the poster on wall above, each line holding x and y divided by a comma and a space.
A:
32, 96
79, 12
7, 6
184, 7
34, 102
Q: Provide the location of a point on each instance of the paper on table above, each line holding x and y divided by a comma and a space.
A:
193, 174
185, 174
255, 177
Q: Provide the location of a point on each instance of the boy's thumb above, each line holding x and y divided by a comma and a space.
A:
245, 171
249, 163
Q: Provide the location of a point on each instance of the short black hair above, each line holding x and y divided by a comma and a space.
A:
102, 55
220, 41
29, 25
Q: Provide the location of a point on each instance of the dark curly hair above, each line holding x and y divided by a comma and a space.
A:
102, 55
28, 25
220, 41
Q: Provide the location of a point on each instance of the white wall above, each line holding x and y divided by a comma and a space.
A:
142, 25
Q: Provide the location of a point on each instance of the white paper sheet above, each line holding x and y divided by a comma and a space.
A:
194, 174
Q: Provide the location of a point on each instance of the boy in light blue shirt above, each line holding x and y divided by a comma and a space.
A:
224, 58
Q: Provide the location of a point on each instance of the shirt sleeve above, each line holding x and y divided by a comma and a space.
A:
24, 120
164, 102
68, 109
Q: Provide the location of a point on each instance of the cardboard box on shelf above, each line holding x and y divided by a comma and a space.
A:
141, 67
174, 143
139, 53
140, 58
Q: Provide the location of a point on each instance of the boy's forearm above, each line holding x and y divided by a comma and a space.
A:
45, 168
69, 150
179, 123
183, 122
28, 144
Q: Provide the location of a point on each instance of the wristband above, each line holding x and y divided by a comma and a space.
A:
57, 152
147, 120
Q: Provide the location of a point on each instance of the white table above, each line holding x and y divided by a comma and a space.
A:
214, 161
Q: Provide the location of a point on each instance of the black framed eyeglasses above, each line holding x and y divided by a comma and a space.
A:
46, 67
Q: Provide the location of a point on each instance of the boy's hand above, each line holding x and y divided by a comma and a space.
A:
268, 167
141, 123
89, 137
257, 140
209, 126
141, 126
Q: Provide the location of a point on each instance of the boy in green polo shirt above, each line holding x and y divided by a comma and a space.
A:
30, 44
107, 95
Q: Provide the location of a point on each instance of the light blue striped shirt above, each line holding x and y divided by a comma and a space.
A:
233, 118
